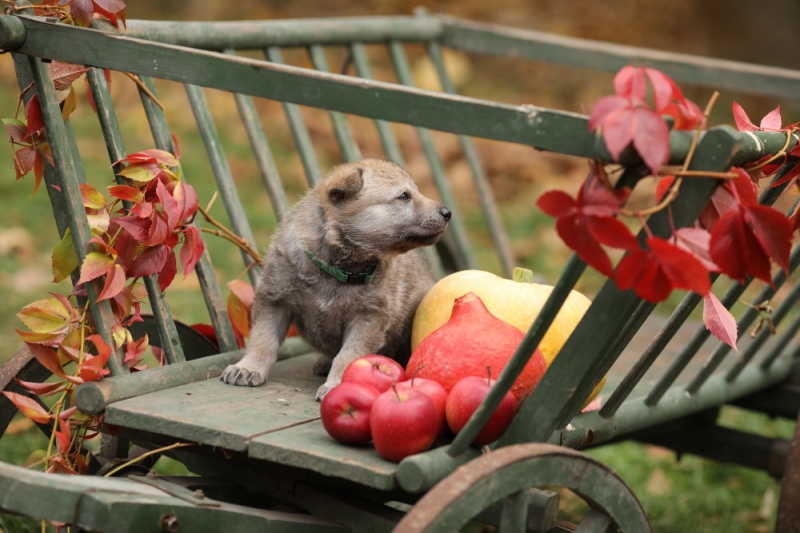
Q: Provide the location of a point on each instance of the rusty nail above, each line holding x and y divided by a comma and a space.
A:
170, 524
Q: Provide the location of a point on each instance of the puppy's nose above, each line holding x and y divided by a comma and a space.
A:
446, 214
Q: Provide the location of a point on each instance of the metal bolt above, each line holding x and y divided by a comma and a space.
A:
170, 524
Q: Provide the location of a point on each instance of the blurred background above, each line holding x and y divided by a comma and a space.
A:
689, 494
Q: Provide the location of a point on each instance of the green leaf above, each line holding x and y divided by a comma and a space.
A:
135, 172
64, 259
45, 316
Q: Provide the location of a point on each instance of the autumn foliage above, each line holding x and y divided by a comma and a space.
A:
735, 235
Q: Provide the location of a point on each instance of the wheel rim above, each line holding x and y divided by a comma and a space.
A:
502, 473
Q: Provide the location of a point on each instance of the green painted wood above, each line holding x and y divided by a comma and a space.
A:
719, 74
214, 413
92, 398
243, 34
634, 414
302, 139
309, 446
222, 173
341, 128
125, 505
780, 346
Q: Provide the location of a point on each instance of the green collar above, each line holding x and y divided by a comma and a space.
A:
351, 278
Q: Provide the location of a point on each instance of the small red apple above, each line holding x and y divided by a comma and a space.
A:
404, 422
375, 370
465, 397
434, 390
345, 412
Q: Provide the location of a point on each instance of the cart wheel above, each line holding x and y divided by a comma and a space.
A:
506, 480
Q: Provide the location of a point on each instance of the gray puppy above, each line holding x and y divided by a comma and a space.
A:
343, 267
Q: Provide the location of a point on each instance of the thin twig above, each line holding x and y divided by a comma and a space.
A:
777, 155
229, 235
144, 89
147, 454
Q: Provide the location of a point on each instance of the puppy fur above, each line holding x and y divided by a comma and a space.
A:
365, 213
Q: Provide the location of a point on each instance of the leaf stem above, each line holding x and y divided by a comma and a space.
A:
229, 235
144, 89
147, 454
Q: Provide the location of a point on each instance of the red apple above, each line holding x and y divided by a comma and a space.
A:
377, 371
345, 412
465, 397
404, 422
434, 390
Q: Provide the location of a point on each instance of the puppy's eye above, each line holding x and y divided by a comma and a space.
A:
404, 196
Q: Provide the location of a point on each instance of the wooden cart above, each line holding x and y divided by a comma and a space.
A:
261, 456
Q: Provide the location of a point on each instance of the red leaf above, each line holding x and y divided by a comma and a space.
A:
655, 272
82, 11
47, 357
697, 241
93, 366
773, 231
664, 89
95, 265
651, 139
743, 122
192, 249
42, 389
29, 407
24, 161
630, 83
735, 248
167, 273
159, 230
115, 282
138, 228
170, 206
663, 187
719, 320
33, 116
588, 222
65, 74
187, 200
113, 10
91, 197
150, 261
772, 120
126, 192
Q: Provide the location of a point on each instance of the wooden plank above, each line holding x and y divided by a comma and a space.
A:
211, 412
309, 446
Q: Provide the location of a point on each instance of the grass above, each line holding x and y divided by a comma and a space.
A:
690, 494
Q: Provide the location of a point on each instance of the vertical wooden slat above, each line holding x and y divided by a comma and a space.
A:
341, 127
222, 173
481, 182
388, 139
212, 295
302, 139
70, 174
456, 232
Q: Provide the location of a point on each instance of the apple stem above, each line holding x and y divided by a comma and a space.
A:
394, 388
420, 367
522, 275
488, 375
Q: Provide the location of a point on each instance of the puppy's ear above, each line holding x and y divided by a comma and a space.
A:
345, 184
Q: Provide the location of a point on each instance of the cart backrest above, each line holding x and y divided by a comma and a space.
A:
207, 56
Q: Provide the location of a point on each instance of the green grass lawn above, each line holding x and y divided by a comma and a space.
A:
689, 494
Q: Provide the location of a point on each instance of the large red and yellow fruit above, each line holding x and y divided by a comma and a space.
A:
471, 341
517, 301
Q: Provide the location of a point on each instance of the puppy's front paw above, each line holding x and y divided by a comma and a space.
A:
322, 366
325, 388
242, 376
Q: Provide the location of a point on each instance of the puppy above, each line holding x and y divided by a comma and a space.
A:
345, 269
